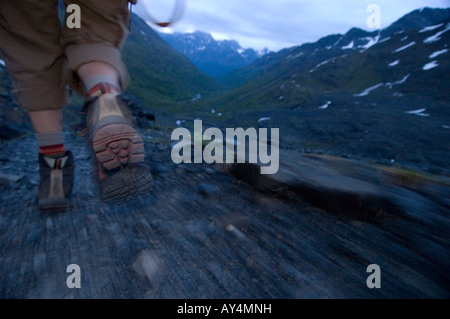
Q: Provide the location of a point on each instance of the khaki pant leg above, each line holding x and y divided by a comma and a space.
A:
104, 28
30, 45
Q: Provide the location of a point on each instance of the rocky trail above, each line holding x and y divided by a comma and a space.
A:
215, 231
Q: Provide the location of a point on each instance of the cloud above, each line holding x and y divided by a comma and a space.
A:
282, 23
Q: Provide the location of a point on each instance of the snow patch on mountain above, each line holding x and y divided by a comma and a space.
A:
390, 85
430, 65
399, 82
394, 63
368, 90
384, 40
431, 28
438, 53
371, 42
349, 46
263, 119
338, 40
436, 37
405, 47
419, 112
321, 64
325, 106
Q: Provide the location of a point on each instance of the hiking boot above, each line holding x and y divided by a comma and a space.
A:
115, 140
118, 147
56, 181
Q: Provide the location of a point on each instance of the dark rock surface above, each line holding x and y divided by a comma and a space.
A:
213, 231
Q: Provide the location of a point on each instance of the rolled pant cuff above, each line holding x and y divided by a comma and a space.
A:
99, 52
42, 98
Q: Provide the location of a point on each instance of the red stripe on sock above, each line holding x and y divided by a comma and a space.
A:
52, 150
102, 88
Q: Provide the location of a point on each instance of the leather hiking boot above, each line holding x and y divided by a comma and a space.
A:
56, 181
118, 147
115, 140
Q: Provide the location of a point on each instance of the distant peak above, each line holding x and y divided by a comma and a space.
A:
418, 19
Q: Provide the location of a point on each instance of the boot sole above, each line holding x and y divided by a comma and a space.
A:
126, 182
118, 145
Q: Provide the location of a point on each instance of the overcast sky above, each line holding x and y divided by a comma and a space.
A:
278, 24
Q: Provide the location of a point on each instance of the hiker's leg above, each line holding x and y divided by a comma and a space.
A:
105, 26
98, 73
30, 45
46, 121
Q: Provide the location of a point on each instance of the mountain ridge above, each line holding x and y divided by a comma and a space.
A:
379, 96
161, 75
214, 57
306, 57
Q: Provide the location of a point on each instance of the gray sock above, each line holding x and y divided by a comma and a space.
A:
93, 81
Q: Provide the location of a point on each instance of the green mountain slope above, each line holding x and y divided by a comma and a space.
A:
301, 76
161, 76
